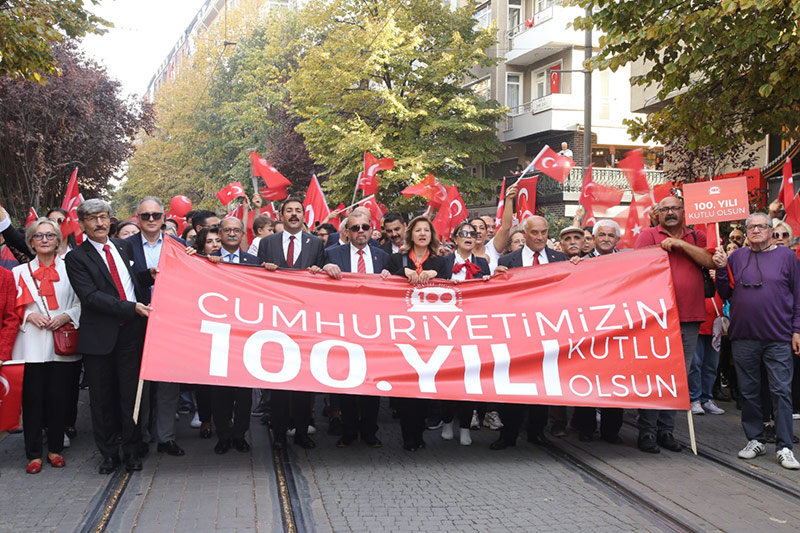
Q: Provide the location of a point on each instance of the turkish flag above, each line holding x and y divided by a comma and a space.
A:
251, 215
429, 188
498, 217
554, 165
662, 191
555, 80
793, 216
24, 297
234, 190
451, 214
368, 180
275, 182
72, 200
594, 195
633, 168
32, 217
376, 211
314, 203
710, 230
181, 221
10, 394
526, 198
236, 213
632, 224
786, 194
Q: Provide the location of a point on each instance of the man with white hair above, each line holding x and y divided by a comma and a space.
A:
606, 236
749, 277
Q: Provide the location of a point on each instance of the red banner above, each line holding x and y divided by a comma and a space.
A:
601, 333
11, 394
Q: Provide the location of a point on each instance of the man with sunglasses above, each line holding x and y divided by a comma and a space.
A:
359, 413
687, 257
763, 277
146, 252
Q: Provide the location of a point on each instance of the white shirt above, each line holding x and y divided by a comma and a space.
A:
228, 257
253, 250
395, 249
298, 244
367, 259
122, 268
527, 256
462, 274
492, 255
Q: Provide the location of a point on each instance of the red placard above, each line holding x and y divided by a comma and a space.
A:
601, 333
716, 201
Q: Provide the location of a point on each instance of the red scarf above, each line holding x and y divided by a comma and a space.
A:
471, 268
418, 264
46, 275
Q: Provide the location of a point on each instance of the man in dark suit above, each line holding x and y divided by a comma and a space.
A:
335, 239
394, 229
535, 252
232, 402
146, 253
298, 250
359, 413
113, 312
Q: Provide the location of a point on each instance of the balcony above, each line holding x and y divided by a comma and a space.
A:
548, 34
559, 111
610, 177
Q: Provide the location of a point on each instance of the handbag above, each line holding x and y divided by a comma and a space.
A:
65, 338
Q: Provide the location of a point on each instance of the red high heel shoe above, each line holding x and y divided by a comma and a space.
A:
34, 467
57, 461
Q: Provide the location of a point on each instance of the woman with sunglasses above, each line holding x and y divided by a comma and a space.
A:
418, 262
781, 233
48, 302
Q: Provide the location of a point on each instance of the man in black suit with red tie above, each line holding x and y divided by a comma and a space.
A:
112, 332
535, 252
295, 249
359, 413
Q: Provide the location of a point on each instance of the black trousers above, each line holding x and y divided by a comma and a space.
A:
359, 415
462, 410
412, 419
294, 405
231, 403
113, 379
45, 389
202, 396
73, 391
585, 421
511, 414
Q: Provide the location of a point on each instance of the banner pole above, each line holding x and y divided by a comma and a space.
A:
138, 404
691, 431
719, 237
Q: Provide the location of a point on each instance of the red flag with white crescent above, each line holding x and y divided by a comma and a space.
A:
554, 165
451, 214
376, 211
526, 198
786, 194
275, 182
368, 180
429, 188
11, 374
633, 168
315, 206
72, 199
32, 217
234, 190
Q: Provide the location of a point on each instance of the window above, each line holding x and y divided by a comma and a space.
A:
542, 83
483, 16
513, 91
481, 88
514, 14
541, 5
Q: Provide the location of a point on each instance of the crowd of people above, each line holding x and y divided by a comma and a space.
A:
103, 288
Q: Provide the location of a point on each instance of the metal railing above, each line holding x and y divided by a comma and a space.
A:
538, 18
610, 177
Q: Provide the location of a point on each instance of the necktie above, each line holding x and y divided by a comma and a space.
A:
112, 267
290, 252
362, 267
230, 258
535, 258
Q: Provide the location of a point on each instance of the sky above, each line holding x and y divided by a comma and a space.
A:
144, 33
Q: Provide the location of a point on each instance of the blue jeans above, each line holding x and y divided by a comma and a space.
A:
777, 358
703, 372
655, 421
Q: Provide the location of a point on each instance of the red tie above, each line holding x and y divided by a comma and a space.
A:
362, 267
290, 252
112, 267
535, 258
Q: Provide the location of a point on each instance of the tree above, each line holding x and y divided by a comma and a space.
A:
78, 119
387, 77
29, 28
732, 64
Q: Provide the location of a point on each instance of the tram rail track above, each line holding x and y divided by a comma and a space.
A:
103, 505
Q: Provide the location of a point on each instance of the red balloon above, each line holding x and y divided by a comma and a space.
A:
180, 205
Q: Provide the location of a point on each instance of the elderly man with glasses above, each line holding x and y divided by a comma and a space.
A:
687, 256
762, 283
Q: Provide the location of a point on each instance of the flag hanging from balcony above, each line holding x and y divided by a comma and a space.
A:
554, 165
555, 79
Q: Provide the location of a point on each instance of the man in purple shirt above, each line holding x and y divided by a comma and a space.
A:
762, 283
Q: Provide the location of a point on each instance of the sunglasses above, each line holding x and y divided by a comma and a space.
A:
57, 220
356, 227
777, 235
151, 216
472, 234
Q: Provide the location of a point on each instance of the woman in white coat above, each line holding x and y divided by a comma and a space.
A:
45, 302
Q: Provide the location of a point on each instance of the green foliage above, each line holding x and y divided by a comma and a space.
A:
731, 63
28, 29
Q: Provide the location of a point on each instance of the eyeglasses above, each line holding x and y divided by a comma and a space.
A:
754, 227
43, 236
363, 227
465, 234
151, 216
235, 231
671, 209
758, 269
56, 220
777, 235
94, 219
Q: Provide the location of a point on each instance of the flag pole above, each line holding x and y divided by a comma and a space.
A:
138, 404
359, 202
692, 440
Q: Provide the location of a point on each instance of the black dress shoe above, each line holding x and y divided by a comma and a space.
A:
612, 439
133, 463
171, 447
647, 443
335, 427
205, 431
410, 446
666, 440
280, 442
304, 441
143, 449
372, 441
538, 438
223, 445
241, 445
71, 432
501, 444
109, 465
344, 442
585, 437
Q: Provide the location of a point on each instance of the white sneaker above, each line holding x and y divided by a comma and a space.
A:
795, 416
492, 420
753, 449
290, 432
711, 407
787, 460
67, 443
464, 437
312, 430
697, 409
447, 431
475, 423
195, 423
